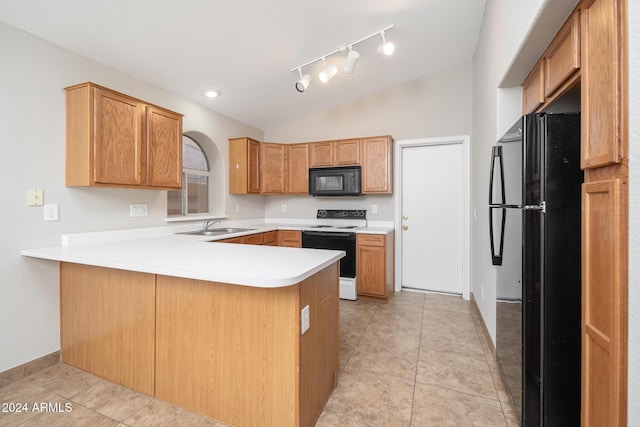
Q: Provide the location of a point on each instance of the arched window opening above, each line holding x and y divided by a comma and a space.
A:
193, 199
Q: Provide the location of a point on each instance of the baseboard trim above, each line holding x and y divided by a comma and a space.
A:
22, 371
475, 311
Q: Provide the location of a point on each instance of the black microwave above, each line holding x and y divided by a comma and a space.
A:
341, 181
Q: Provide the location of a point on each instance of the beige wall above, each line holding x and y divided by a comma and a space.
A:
435, 105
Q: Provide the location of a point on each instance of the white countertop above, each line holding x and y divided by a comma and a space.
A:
159, 251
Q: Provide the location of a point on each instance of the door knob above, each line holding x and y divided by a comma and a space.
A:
405, 217
405, 227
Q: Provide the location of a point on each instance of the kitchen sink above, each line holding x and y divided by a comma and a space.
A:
217, 231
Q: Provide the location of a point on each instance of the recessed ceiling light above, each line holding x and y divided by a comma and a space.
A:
211, 93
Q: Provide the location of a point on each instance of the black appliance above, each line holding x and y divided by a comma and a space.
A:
534, 220
340, 181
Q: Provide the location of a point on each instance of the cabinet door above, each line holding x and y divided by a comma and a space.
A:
562, 58
377, 169
347, 152
298, 169
164, 139
119, 153
604, 302
253, 167
273, 168
533, 89
603, 64
244, 166
321, 154
370, 270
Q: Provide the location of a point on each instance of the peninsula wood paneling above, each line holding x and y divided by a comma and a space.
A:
107, 323
319, 346
229, 352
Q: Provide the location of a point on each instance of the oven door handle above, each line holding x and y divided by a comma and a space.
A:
328, 234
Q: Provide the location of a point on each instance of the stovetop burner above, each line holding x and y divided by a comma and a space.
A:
340, 220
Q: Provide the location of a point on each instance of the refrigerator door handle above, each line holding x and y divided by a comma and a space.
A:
496, 257
496, 157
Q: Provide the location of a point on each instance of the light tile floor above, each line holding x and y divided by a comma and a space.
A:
420, 360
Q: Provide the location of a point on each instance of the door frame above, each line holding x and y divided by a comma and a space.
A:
465, 140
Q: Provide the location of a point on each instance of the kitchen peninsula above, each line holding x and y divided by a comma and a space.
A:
215, 328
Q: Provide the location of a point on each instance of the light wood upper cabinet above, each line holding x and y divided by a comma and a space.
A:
297, 169
273, 168
345, 152
377, 165
603, 85
321, 154
165, 156
562, 57
533, 89
114, 140
244, 166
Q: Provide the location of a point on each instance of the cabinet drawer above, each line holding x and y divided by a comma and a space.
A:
270, 238
370, 239
230, 240
290, 238
253, 239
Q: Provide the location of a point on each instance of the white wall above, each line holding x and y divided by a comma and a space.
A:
438, 104
634, 213
32, 77
503, 31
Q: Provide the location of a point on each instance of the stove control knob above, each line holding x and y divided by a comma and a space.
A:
322, 214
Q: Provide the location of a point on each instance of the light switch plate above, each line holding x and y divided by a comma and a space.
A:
304, 319
34, 197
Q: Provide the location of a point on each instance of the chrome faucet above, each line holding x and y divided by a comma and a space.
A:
208, 223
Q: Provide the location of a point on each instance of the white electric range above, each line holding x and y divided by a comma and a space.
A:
336, 229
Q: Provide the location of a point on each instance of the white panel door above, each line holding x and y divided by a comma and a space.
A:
432, 218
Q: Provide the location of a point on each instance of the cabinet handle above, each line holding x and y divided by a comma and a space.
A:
405, 217
405, 227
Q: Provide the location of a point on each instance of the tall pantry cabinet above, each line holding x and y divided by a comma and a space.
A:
604, 145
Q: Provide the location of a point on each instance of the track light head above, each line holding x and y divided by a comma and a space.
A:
386, 47
352, 60
328, 73
303, 83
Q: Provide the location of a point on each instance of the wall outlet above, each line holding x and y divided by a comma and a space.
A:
237, 207
482, 291
374, 209
304, 319
138, 209
51, 212
284, 207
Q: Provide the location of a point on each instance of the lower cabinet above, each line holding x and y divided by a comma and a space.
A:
374, 265
290, 238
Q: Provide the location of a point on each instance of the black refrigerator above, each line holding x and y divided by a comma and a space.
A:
534, 220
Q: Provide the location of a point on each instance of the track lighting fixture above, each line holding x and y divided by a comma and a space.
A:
351, 61
328, 72
386, 47
303, 83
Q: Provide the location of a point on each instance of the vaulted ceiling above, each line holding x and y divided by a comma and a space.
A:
246, 48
